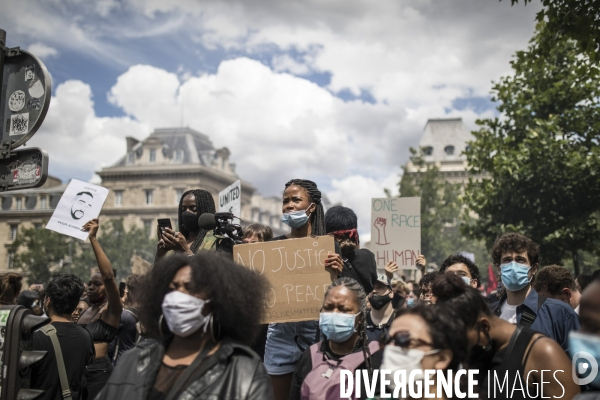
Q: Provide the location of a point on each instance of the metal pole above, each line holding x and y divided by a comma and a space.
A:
2, 54
70, 256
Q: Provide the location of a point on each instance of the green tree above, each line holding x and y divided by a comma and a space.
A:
39, 253
578, 20
120, 246
542, 156
441, 206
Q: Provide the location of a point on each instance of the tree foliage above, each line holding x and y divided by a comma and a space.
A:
542, 157
578, 20
120, 246
441, 206
41, 253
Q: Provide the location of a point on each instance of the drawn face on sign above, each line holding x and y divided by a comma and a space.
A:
83, 202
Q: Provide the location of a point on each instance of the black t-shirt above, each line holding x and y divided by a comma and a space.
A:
363, 262
126, 335
77, 349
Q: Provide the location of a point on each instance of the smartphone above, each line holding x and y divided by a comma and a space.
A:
162, 224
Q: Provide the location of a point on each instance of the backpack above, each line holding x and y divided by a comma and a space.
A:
323, 381
50, 331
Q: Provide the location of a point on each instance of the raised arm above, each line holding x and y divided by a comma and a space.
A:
112, 315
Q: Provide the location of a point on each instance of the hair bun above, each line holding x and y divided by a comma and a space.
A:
448, 286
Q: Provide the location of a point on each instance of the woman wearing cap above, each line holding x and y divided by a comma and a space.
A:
382, 311
303, 212
359, 264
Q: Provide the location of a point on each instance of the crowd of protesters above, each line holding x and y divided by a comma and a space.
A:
191, 327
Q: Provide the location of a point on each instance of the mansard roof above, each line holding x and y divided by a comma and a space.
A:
445, 139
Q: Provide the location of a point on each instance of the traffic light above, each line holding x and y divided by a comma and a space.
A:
17, 325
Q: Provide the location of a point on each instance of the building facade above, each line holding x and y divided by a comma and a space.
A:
443, 142
145, 184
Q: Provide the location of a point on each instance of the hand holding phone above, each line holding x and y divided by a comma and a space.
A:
162, 224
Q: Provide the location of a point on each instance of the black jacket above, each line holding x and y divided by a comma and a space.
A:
233, 372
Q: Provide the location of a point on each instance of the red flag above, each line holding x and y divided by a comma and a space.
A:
492, 281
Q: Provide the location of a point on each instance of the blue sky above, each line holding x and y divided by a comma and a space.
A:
343, 88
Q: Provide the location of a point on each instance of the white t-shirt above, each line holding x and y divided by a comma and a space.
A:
509, 313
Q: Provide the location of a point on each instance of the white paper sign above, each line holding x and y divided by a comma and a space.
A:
396, 231
230, 199
80, 203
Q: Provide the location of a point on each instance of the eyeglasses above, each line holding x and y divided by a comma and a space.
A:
403, 340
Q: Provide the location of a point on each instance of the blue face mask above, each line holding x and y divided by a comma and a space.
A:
585, 342
337, 326
410, 302
296, 219
514, 276
466, 280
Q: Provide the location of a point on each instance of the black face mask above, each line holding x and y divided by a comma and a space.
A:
481, 356
190, 221
398, 301
378, 302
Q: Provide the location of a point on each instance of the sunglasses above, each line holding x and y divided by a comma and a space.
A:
401, 339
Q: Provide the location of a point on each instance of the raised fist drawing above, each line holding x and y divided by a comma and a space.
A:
380, 224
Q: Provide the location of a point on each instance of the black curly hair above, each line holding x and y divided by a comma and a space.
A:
466, 302
205, 203
446, 329
64, 292
428, 279
237, 294
317, 218
460, 259
517, 243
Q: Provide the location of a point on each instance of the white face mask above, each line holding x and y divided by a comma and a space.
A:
396, 358
183, 313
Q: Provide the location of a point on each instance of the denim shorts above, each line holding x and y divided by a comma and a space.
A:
282, 352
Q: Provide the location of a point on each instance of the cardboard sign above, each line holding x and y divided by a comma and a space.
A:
295, 269
396, 231
230, 199
80, 203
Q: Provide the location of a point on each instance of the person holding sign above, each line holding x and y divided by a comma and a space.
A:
103, 317
346, 345
190, 238
303, 212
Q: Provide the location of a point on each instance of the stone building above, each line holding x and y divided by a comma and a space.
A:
443, 142
145, 184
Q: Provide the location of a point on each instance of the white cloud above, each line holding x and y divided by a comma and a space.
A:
42, 51
76, 139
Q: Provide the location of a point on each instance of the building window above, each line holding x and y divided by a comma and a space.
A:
178, 155
147, 226
10, 260
149, 196
152, 155
130, 158
19, 203
14, 229
428, 150
449, 150
118, 198
178, 194
43, 202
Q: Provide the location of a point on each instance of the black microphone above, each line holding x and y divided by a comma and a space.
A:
207, 221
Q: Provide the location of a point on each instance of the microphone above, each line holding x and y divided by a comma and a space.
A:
207, 221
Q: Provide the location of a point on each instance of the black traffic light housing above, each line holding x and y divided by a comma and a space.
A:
17, 325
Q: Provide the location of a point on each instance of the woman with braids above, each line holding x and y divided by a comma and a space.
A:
103, 317
190, 237
345, 347
203, 312
303, 212
505, 349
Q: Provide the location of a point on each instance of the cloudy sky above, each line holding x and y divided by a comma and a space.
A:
331, 90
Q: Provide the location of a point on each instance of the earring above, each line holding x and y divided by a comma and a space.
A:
212, 330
